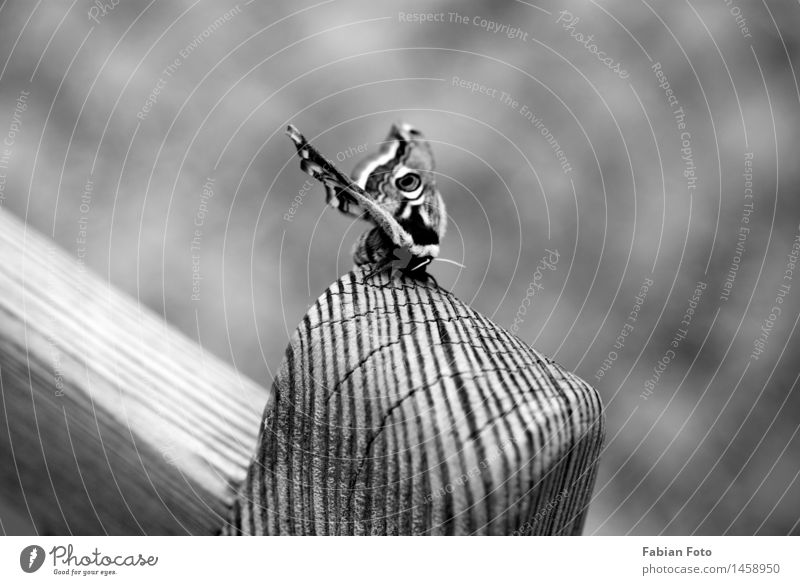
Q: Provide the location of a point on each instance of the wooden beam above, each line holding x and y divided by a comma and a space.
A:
110, 420
400, 410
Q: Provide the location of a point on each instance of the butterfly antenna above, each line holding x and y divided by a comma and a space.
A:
448, 261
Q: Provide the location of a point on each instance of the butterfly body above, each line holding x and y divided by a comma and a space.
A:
393, 189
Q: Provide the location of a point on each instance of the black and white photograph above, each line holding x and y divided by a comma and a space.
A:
351, 268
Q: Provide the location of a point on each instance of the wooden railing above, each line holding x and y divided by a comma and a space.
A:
112, 422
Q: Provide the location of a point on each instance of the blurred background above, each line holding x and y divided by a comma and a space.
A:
651, 146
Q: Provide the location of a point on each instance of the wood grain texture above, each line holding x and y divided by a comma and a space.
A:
110, 420
400, 410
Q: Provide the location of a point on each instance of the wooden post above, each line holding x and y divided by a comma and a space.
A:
110, 420
400, 410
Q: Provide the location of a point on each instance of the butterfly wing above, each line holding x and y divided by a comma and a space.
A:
316, 165
320, 168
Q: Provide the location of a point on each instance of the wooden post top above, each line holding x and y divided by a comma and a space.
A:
400, 410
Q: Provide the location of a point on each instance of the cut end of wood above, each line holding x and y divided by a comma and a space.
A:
400, 410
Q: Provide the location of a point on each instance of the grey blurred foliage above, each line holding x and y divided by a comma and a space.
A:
710, 451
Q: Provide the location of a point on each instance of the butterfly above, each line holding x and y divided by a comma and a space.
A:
394, 190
